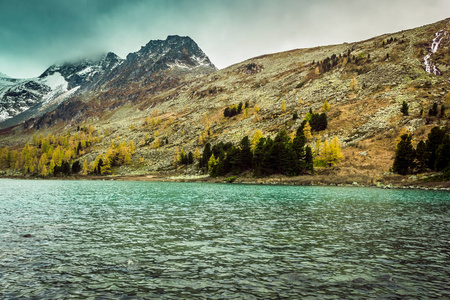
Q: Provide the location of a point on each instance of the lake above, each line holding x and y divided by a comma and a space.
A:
140, 240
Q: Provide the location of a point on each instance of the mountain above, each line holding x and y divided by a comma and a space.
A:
170, 92
22, 99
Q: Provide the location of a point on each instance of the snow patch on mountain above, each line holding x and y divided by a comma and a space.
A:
56, 82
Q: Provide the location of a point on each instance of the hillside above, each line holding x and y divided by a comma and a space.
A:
182, 107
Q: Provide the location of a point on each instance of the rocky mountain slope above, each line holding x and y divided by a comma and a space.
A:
170, 92
22, 99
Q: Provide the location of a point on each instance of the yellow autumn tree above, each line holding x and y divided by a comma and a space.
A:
307, 131
131, 147
212, 162
331, 153
255, 139
85, 167
447, 100
44, 171
403, 131
326, 106
283, 106
335, 152
127, 159
176, 155
51, 167
197, 153
318, 146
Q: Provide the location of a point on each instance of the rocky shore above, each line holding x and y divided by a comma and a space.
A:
388, 181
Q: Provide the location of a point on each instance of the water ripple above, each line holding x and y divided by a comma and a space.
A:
141, 240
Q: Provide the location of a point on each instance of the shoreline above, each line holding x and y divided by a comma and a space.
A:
384, 182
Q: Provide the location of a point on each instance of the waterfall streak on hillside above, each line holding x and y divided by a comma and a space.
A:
429, 67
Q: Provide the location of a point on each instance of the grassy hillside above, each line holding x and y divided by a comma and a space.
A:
365, 84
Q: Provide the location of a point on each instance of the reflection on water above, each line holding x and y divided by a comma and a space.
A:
140, 240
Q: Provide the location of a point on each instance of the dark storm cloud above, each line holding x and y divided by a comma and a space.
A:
36, 34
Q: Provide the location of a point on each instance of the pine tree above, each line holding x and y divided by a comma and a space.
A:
404, 109
309, 165
404, 156
246, 154
433, 110
205, 157
190, 158
434, 140
421, 156
443, 155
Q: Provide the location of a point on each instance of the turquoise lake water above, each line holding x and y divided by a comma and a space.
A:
145, 240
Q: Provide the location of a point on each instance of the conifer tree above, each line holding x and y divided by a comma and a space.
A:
44, 171
51, 167
197, 154
404, 109
335, 152
421, 156
212, 162
309, 165
85, 167
443, 154
176, 156
307, 131
190, 158
283, 106
404, 155
434, 140
326, 106
246, 154
255, 139
205, 156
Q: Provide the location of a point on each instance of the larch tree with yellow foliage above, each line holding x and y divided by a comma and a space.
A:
283, 106
307, 131
85, 167
326, 106
197, 153
331, 153
255, 139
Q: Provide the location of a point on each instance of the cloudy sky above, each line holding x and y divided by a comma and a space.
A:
37, 33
